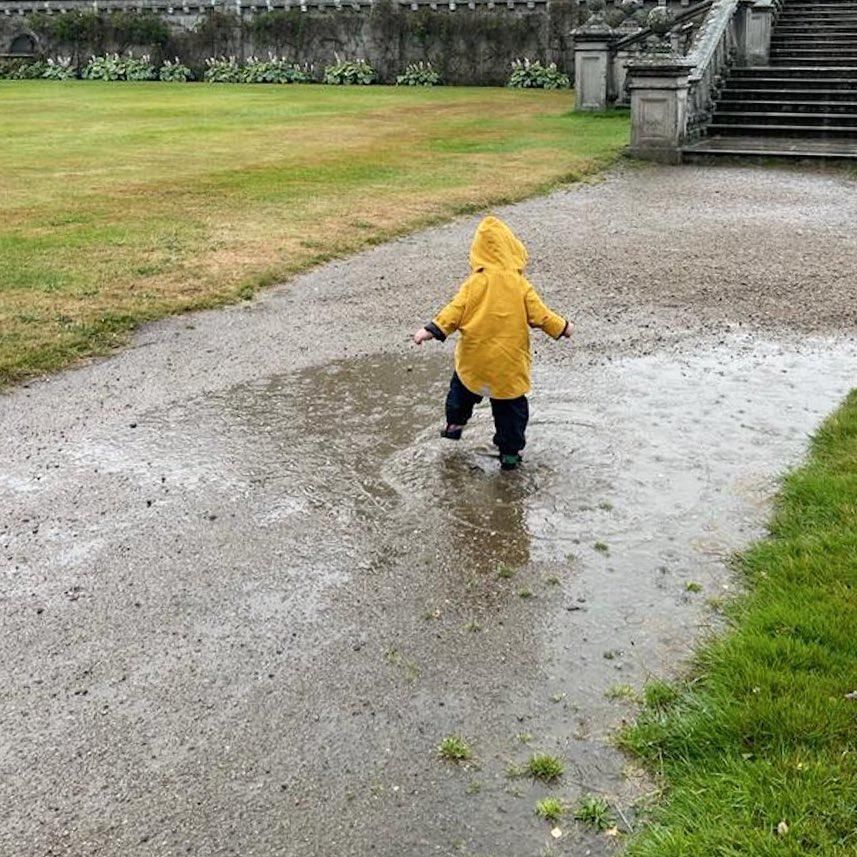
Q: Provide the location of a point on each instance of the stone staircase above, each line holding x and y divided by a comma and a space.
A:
804, 103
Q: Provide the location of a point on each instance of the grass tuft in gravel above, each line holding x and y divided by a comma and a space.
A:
550, 808
454, 748
594, 811
544, 767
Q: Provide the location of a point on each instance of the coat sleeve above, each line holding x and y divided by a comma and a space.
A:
538, 315
448, 320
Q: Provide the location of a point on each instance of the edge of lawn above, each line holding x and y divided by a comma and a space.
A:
114, 331
755, 753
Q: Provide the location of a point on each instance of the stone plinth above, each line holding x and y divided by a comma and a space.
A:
658, 88
593, 68
757, 25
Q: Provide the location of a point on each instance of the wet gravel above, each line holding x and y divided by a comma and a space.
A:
246, 591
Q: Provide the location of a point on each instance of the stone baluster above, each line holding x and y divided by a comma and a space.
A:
593, 60
659, 83
757, 23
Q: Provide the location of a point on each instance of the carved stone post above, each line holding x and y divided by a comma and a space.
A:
593, 61
757, 25
658, 88
635, 18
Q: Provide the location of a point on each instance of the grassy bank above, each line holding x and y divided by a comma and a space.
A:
124, 202
759, 753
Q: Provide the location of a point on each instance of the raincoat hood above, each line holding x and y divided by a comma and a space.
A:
494, 311
495, 246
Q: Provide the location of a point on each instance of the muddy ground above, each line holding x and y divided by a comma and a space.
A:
246, 589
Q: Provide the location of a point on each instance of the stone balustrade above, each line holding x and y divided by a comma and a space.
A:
28, 7
671, 69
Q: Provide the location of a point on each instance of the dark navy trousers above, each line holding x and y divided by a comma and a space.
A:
510, 415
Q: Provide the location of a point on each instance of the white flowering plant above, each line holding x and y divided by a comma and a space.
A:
275, 70
222, 70
174, 71
349, 73
418, 74
59, 69
533, 75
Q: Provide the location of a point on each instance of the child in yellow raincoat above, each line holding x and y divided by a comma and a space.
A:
493, 311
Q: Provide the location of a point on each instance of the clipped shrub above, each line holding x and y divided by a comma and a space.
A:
349, 72
59, 69
534, 75
22, 69
222, 70
114, 67
173, 71
107, 67
275, 70
418, 74
139, 68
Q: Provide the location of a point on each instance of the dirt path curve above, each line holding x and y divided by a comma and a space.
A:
246, 590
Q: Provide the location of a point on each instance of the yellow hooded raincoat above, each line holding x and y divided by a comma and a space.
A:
493, 311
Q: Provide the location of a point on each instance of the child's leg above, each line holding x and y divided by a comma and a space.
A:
459, 402
510, 420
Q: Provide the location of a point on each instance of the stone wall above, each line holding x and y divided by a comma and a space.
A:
468, 42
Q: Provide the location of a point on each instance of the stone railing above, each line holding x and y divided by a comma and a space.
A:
603, 51
713, 52
673, 69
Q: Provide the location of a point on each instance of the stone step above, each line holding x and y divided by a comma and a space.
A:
713, 146
838, 40
816, 12
750, 129
818, 75
837, 89
812, 55
818, 21
822, 46
814, 62
822, 15
847, 31
803, 29
793, 7
815, 9
829, 50
730, 103
790, 96
819, 45
793, 120
816, 17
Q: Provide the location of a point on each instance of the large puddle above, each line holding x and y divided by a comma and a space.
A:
346, 588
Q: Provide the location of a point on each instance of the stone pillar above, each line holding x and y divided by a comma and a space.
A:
757, 25
620, 72
593, 68
658, 107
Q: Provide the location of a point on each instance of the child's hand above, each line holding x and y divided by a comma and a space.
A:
569, 328
422, 335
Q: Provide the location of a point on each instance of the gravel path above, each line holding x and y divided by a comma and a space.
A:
246, 591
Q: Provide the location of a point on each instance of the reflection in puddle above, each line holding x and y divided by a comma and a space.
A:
342, 514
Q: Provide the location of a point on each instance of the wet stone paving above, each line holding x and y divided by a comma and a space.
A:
240, 615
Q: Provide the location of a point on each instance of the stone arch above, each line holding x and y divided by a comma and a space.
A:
23, 44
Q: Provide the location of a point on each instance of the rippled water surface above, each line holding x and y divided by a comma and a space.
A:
313, 588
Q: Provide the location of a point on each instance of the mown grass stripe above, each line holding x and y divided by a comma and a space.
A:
124, 202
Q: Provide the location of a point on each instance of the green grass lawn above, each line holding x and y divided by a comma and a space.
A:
759, 753
123, 202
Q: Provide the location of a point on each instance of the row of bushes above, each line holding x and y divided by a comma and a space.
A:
472, 46
525, 73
